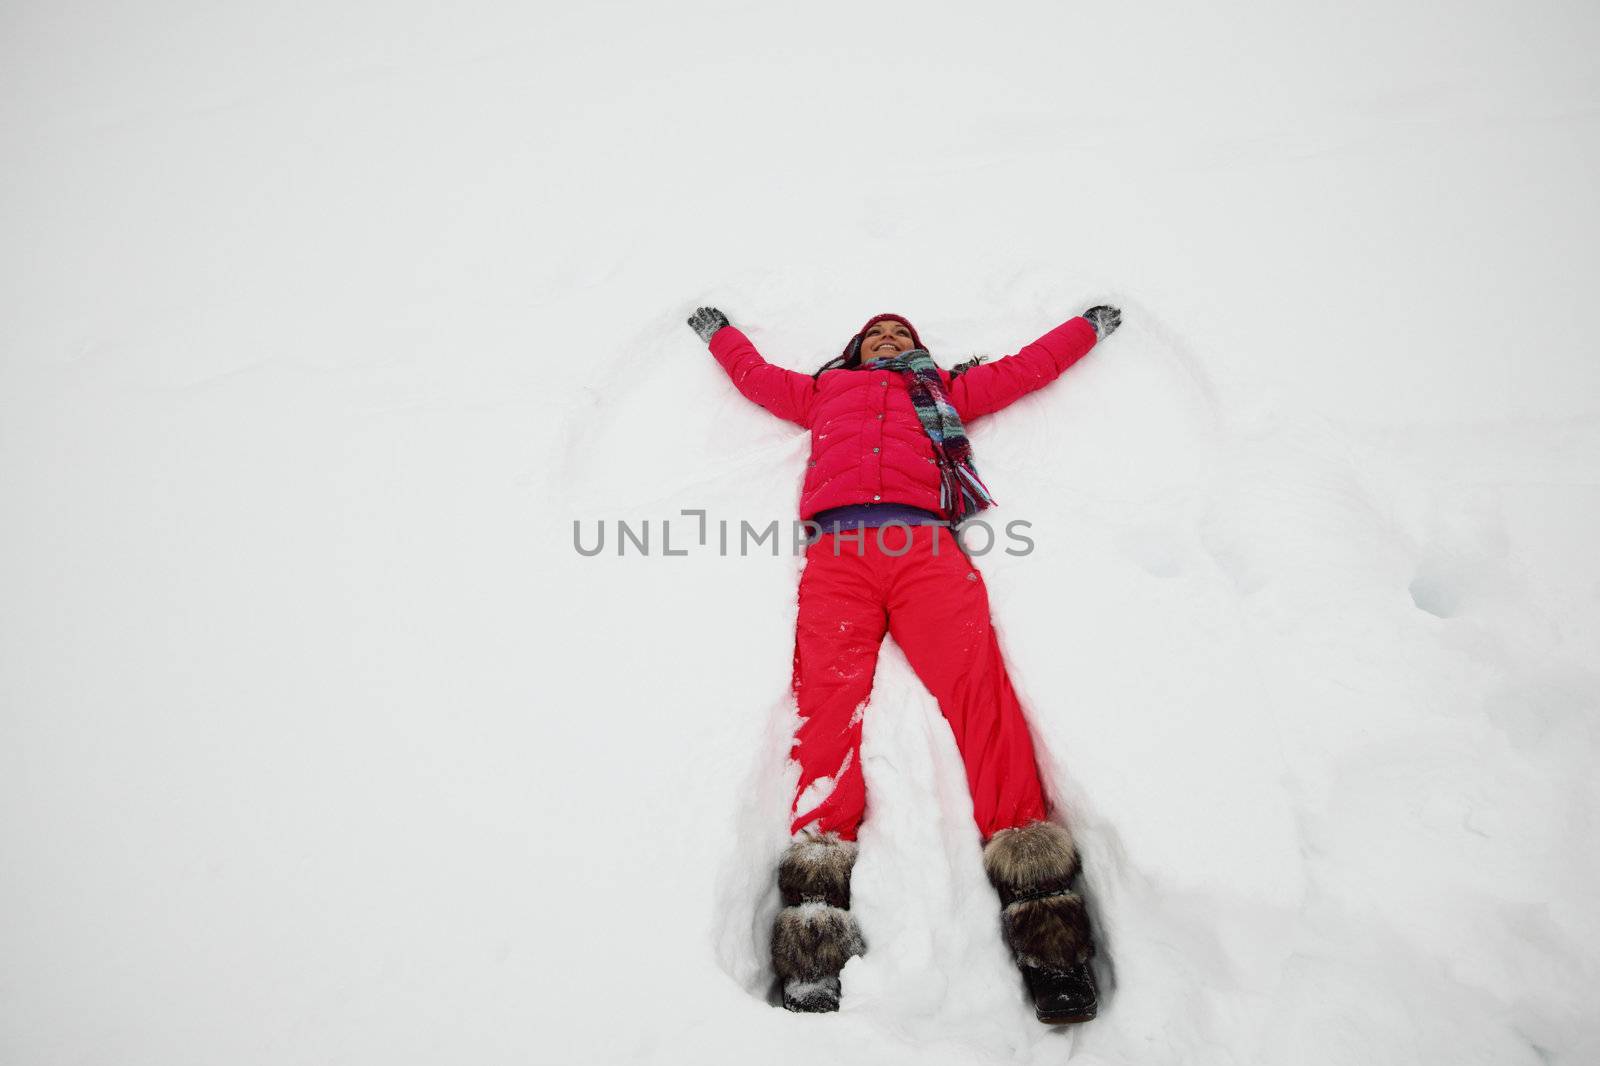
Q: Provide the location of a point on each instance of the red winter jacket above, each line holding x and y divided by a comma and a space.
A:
867, 444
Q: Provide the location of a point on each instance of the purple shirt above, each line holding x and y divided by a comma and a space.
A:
856, 516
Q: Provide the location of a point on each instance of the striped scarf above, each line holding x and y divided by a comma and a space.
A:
961, 493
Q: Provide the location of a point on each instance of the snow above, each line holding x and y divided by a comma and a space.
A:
320, 742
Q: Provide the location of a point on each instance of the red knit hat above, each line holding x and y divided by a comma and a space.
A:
852, 349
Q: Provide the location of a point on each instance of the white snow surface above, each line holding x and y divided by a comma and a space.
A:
321, 743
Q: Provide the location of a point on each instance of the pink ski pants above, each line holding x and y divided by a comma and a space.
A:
933, 601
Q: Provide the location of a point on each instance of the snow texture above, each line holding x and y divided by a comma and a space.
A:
320, 742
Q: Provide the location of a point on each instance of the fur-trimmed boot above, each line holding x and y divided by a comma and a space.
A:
815, 934
1045, 922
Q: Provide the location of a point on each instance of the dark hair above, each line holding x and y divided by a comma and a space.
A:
839, 362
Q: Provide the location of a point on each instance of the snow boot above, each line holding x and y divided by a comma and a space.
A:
1043, 920
1062, 997
815, 934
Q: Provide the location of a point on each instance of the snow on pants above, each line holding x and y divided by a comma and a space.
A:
933, 601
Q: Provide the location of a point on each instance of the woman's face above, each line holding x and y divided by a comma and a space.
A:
885, 340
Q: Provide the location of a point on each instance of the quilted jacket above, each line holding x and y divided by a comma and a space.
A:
867, 444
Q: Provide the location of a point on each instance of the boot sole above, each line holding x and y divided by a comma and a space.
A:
1065, 1019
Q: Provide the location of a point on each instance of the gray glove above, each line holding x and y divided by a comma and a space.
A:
1105, 319
706, 321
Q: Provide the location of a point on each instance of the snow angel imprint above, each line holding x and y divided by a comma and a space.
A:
889, 447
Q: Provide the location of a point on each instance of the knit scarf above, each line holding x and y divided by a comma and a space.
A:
961, 493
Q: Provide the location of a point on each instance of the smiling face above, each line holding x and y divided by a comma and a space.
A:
885, 340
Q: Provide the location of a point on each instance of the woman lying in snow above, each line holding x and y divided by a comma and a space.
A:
888, 447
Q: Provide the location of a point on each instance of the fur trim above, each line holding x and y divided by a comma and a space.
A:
817, 869
1035, 858
1052, 932
814, 941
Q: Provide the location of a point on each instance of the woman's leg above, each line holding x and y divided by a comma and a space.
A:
838, 632
939, 616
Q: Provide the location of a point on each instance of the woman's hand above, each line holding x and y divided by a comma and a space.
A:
706, 321
1105, 319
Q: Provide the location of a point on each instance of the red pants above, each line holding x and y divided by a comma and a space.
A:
933, 601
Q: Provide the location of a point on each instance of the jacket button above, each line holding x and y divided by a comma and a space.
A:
876, 497
875, 451
885, 384
880, 417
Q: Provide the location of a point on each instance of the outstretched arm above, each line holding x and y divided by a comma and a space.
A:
988, 387
786, 393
